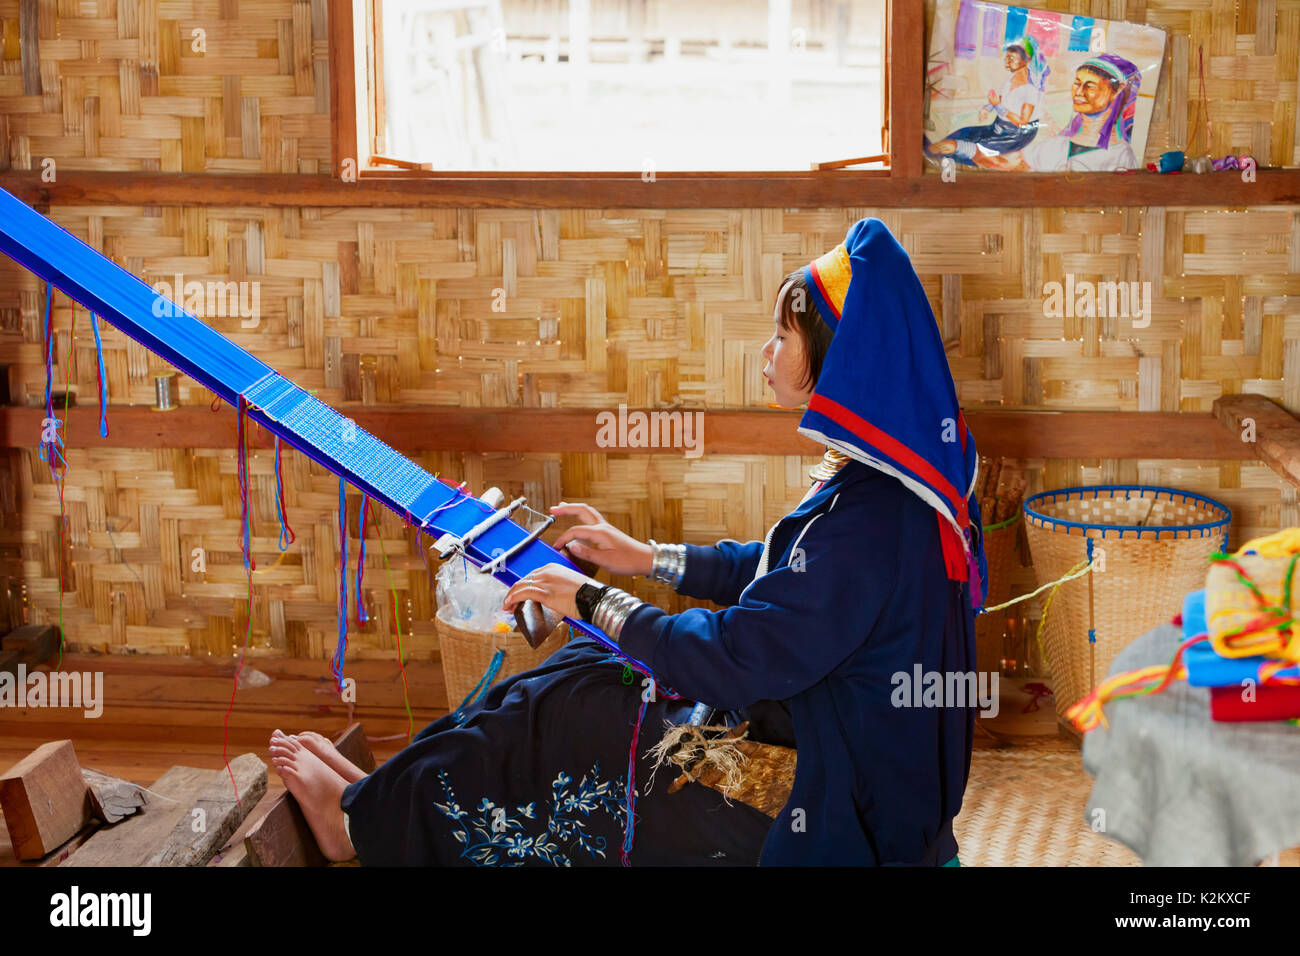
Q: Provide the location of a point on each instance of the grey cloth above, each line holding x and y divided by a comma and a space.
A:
1181, 789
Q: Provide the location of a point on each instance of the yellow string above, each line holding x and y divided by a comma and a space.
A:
1070, 575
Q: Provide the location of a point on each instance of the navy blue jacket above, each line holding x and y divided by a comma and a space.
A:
856, 592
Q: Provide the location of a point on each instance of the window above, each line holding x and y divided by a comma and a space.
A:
642, 86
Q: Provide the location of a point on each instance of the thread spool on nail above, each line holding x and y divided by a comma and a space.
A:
166, 392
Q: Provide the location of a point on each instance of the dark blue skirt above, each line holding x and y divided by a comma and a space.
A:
537, 775
1001, 136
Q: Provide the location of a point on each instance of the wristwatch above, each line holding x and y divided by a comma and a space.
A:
587, 597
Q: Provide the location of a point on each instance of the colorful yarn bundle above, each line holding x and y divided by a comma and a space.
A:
362, 616
1239, 641
336, 664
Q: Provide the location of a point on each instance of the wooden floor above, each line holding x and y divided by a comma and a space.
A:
164, 711
160, 712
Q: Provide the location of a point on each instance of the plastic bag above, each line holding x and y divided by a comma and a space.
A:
473, 598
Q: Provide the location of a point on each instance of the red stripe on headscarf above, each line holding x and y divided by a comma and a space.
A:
826, 296
895, 449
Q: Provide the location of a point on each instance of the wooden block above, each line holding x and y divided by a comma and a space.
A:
44, 800
36, 643
283, 838
165, 831
351, 743
111, 798
9, 661
53, 858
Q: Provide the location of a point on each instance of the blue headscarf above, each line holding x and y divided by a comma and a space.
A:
885, 395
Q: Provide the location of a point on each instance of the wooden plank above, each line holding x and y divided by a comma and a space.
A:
417, 189
1265, 429
34, 643
221, 814
164, 832
283, 838
411, 428
44, 800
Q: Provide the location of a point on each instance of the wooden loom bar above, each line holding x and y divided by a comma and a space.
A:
411, 428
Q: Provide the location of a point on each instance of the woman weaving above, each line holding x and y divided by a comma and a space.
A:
876, 572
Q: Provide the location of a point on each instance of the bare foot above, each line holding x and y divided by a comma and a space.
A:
318, 790
324, 748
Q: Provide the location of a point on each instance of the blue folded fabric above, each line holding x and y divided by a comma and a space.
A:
1205, 668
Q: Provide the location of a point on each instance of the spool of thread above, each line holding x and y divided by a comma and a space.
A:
166, 392
1201, 164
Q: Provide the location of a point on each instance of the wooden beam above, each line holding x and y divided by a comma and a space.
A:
1264, 429
282, 837
905, 37
1186, 436
44, 800
33, 643
343, 91
413, 428
414, 189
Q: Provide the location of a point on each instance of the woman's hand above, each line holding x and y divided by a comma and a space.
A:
598, 541
552, 585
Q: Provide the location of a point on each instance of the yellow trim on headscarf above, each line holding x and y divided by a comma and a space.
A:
832, 272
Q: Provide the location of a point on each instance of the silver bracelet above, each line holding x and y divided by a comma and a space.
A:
612, 610
669, 563
965, 149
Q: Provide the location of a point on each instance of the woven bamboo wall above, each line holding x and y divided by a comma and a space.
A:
642, 307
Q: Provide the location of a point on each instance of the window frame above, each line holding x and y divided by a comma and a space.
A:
354, 39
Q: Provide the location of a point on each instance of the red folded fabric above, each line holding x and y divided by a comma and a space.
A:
1270, 703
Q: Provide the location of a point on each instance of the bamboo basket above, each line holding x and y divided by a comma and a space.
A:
1151, 546
467, 654
999, 549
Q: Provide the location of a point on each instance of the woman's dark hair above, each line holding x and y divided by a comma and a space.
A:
799, 313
